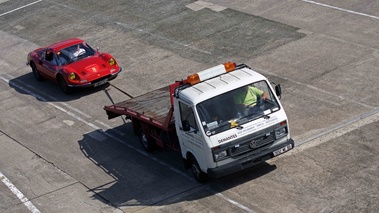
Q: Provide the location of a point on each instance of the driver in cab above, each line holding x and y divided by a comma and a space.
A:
247, 98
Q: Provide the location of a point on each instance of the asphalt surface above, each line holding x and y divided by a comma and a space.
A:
60, 153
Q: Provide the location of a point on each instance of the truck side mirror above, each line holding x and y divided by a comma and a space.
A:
185, 125
278, 90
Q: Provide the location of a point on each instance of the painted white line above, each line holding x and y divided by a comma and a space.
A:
235, 203
93, 126
72, 108
341, 9
20, 8
93, 135
103, 124
46, 95
199, 5
19, 195
48, 102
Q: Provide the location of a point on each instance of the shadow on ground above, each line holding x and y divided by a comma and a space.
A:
148, 179
48, 91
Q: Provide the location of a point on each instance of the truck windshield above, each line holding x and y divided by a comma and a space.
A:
231, 109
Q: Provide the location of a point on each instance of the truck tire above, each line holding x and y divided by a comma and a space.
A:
147, 142
197, 172
137, 128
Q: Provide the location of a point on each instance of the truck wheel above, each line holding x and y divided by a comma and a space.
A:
136, 126
35, 71
197, 172
147, 142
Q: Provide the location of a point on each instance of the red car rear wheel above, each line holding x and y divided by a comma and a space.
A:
35, 71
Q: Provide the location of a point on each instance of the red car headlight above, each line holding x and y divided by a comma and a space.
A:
111, 62
72, 76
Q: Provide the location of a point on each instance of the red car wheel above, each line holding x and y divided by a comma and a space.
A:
35, 71
62, 83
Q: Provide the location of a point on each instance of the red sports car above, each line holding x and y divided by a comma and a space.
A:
72, 64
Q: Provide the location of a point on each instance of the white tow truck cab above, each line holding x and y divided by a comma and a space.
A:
216, 136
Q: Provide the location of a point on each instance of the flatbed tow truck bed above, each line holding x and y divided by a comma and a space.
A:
153, 108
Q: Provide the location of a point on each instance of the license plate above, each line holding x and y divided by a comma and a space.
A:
100, 82
282, 150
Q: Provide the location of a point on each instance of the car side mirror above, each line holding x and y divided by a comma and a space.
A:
278, 90
185, 125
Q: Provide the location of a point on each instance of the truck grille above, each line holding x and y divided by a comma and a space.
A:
251, 145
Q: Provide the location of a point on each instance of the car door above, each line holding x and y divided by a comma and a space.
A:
48, 64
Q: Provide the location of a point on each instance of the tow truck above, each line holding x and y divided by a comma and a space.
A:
198, 117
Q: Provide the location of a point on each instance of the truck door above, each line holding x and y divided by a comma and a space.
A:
190, 136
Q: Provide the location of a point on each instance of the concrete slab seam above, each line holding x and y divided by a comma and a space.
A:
315, 88
338, 130
364, 118
163, 38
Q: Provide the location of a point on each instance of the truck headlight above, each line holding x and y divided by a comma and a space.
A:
220, 155
280, 132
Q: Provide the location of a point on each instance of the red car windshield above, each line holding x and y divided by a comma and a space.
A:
74, 53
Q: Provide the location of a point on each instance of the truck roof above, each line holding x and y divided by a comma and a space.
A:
221, 84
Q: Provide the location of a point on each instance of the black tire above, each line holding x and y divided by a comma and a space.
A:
62, 83
197, 172
147, 142
36, 73
136, 126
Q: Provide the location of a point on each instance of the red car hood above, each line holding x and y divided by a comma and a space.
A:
91, 68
